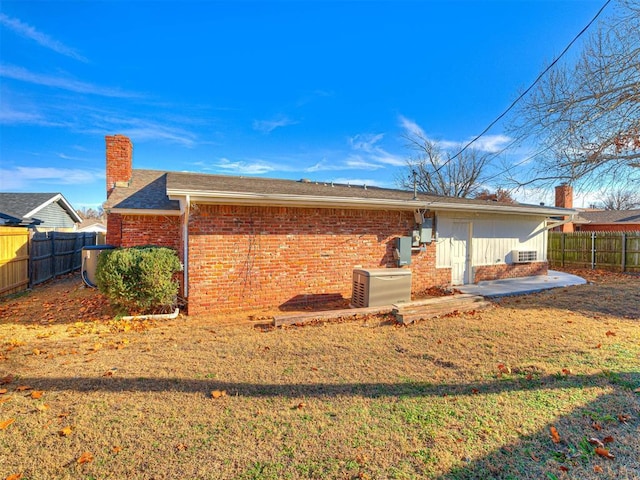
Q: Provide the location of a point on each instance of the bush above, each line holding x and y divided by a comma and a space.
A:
139, 280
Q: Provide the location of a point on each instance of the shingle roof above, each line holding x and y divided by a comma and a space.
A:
19, 204
611, 216
148, 190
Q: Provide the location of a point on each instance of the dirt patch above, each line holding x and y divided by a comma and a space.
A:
467, 396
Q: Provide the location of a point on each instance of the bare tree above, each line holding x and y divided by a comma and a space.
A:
87, 213
586, 116
438, 173
621, 200
501, 195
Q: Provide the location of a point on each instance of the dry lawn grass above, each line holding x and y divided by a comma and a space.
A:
466, 396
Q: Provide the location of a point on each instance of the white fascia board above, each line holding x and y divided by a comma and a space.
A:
145, 211
66, 205
246, 198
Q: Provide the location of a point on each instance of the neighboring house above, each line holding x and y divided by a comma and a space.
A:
249, 242
608, 221
593, 220
92, 225
43, 211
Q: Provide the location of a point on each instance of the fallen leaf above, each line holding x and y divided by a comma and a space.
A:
15, 476
43, 407
529, 376
116, 450
624, 418
596, 426
555, 436
86, 457
610, 333
65, 432
218, 393
37, 394
502, 368
181, 447
563, 468
35, 351
475, 391
608, 439
301, 405
6, 423
108, 373
596, 442
603, 452
599, 345
598, 469
22, 388
5, 399
567, 371
3, 391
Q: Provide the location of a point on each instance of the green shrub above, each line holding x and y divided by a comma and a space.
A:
139, 280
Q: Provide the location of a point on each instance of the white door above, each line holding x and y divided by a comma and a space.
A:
460, 253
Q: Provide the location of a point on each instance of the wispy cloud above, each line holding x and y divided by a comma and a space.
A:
40, 38
140, 129
486, 143
21, 177
9, 116
268, 126
24, 75
367, 146
411, 127
257, 167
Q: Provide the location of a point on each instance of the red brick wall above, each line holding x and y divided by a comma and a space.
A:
496, 272
594, 227
119, 160
114, 229
266, 257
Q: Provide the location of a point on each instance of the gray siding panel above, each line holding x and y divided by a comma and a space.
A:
54, 216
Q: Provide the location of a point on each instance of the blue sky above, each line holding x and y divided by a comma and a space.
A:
286, 89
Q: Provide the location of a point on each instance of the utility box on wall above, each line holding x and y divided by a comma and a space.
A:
380, 286
402, 252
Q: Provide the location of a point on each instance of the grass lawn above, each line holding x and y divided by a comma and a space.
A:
516, 391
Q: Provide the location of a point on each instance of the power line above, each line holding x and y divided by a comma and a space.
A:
523, 94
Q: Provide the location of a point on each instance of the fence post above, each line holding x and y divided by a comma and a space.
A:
562, 235
593, 250
624, 251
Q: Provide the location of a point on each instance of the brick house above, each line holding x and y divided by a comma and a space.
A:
596, 220
253, 243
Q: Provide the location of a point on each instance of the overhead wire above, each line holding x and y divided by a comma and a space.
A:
525, 92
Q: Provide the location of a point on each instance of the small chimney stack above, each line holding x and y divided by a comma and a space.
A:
564, 196
119, 161
564, 199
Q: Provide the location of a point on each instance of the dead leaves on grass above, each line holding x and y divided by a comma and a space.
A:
6, 423
603, 452
555, 436
86, 457
218, 393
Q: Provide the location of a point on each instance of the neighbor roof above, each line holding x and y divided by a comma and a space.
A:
157, 190
602, 217
25, 206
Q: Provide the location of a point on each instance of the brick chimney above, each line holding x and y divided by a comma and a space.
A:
564, 196
119, 161
564, 199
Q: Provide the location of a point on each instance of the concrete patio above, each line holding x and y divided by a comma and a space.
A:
523, 285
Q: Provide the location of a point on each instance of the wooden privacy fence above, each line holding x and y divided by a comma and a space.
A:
57, 253
14, 259
605, 250
28, 258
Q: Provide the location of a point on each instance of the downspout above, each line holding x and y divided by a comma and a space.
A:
185, 245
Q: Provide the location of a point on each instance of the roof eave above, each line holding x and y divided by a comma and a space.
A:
246, 198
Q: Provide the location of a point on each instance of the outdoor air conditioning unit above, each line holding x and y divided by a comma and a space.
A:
524, 256
380, 286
